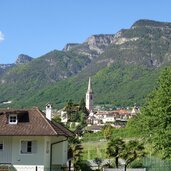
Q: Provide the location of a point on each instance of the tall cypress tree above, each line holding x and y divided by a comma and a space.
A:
83, 107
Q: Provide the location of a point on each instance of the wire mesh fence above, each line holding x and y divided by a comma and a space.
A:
156, 164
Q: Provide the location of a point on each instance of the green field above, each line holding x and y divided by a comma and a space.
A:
94, 149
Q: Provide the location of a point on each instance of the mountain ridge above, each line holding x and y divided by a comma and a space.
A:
144, 48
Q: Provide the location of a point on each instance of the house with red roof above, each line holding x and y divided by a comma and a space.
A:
31, 141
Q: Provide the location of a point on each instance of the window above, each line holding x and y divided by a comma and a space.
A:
28, 147
91, 97
23, 116
13, 119
1, 145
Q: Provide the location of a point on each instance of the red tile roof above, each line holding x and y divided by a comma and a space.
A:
35, 124
123, 111
119, 111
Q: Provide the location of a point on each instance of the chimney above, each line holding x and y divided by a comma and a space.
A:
49, 111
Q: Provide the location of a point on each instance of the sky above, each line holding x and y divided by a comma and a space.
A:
36, 27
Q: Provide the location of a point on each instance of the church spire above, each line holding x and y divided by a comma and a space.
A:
89, 85
89, 96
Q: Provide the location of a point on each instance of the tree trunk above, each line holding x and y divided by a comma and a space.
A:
117, 162
69, 165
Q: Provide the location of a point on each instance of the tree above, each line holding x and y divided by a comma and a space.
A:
107, 131
72, 111
133, 150
75, 151
57, 119
129, 151
156, 115
82, 107
115, 148
69, 108
77, 113
83, 112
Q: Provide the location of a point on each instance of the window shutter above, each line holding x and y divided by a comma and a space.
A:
34, 146
23, 146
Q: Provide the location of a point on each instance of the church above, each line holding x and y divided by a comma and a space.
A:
120, 116
89, 97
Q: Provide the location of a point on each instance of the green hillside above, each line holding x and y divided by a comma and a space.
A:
24, 80
117, 85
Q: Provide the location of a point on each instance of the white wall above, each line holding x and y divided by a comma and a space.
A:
5, 154
41, 157
60, 151
36, 158
47, 143
108, 119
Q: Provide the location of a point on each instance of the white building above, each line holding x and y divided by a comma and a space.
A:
103, 117
64, 117
29, 141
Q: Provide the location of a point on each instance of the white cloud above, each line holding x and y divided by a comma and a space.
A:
1, 36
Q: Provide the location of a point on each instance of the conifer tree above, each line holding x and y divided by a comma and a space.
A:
82, 107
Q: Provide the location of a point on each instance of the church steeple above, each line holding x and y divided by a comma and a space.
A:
89, 96
89, 85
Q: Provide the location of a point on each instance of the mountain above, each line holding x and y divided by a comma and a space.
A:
23, 59
124, 69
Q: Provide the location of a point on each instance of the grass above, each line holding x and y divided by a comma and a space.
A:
94, 149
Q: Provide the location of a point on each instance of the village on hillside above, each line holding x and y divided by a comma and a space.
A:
97, 118
30, 140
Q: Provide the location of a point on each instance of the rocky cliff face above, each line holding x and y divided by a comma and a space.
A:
70, 46
146, 43
23, 59
98, 43
93, 47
